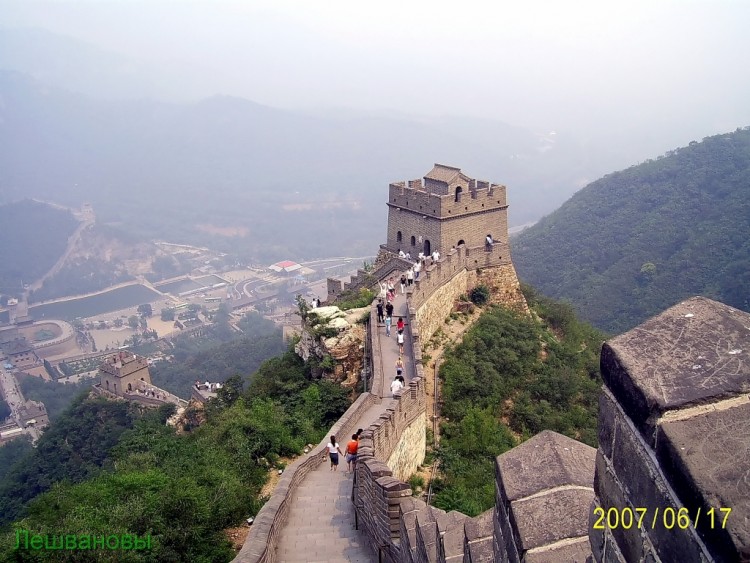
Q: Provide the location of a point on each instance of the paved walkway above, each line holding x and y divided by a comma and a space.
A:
320, 524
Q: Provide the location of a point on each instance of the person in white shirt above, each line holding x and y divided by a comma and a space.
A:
401, 253
435, 256
396, 387
333, 453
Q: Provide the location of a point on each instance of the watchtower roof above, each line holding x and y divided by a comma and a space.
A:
445, 174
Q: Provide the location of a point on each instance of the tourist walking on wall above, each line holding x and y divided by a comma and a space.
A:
388, 322
403, 283
351, 453
333, 453
417, 269
400, 324
383, 290
380, 311
396, 387
410, 276
391, 289
389, 310
399, 366
400, 340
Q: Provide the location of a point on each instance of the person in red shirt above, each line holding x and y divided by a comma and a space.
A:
351, 452
400, 324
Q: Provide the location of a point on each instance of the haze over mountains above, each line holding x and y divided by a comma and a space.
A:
228, 162
82, 123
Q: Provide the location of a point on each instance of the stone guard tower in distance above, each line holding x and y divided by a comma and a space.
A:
124, 372
444, 210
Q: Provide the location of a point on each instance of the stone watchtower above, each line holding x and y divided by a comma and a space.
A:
124, 372
446, 209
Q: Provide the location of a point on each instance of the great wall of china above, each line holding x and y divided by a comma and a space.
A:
674, 442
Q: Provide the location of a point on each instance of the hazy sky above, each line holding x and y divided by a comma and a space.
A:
547, 64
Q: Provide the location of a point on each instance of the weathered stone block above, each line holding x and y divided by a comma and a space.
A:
576, 551
693, 353
552, 516
547, 460
706, 458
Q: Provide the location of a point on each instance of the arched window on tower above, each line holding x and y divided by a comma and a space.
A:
413, 241
459, 243
459, 189
398, 236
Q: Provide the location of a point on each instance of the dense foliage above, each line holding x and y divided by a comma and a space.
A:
220, 353
140, 477
4, 409
79, 276
511, 377
638, 241
74, 448
32, 238
11, 452
55, 396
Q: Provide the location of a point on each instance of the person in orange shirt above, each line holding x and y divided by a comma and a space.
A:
351, 452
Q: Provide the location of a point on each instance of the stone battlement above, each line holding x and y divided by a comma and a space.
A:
475, 200
123, 363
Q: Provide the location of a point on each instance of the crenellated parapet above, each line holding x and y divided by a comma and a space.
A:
444, 210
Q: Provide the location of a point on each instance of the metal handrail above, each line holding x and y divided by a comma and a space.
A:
435, 426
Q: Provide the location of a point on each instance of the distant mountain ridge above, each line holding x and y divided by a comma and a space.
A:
159, 169
637, 241
33, 236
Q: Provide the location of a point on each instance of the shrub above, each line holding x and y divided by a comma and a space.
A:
416, 482
480, 295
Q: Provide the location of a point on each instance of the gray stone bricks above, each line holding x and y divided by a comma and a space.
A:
674, 437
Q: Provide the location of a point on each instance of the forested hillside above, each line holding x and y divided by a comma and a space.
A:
511, 377
32, 237
635, 242
109, 467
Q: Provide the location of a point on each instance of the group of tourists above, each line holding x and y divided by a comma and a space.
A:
351, 452
385, 316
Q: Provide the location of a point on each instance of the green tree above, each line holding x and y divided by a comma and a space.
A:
133, 322
230, 391
4, 410
167, 314
145, 310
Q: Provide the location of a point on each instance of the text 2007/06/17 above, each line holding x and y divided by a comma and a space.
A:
668, 518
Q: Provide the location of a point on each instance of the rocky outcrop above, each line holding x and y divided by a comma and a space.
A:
335, 338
